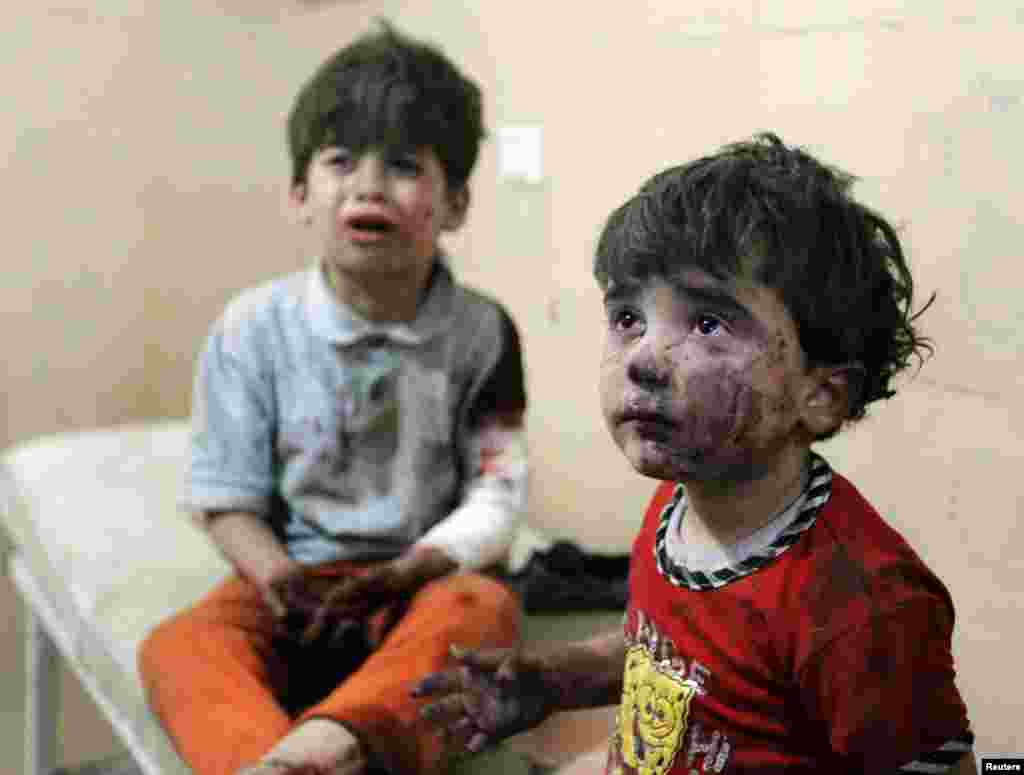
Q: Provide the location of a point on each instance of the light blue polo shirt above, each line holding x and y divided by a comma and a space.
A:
348, 436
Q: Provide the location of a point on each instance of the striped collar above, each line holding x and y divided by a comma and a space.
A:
815, 495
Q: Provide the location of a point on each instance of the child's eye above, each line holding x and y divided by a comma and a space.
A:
708, 325
407, 165
623, 319
341, 160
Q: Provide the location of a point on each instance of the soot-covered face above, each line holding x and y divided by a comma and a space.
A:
705, 380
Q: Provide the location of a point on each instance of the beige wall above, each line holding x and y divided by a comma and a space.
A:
145, 172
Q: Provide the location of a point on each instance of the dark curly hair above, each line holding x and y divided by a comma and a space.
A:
387, 90
774, 214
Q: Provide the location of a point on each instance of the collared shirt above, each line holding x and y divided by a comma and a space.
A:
353, 438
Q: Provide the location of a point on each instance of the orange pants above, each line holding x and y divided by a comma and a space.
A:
215, 680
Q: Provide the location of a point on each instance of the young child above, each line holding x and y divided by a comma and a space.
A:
776, 623
357, 447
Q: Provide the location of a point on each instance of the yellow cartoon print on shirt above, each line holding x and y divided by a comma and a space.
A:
653, 713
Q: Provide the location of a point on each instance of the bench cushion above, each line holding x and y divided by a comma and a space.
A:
93, 517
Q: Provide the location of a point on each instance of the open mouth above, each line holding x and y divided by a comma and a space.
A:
370, 224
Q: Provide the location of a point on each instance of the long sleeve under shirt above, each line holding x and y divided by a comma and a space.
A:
356, 440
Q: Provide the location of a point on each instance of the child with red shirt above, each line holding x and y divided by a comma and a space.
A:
776, 622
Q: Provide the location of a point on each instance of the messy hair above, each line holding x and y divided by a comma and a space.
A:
387, 90
774, 214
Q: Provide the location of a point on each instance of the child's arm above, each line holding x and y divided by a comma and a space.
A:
494, 694
252, 548
230, 480
477, 534
307, 607
492, 442
248, 543
480, 531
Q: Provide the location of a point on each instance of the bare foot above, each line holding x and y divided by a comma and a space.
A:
316, 747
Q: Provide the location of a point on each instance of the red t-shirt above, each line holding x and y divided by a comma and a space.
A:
829, 652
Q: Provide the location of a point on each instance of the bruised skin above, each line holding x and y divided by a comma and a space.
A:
719, 407
728, 420
722, 426
492, 694
716, 422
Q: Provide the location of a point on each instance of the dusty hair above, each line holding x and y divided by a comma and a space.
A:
775, 214
388, 90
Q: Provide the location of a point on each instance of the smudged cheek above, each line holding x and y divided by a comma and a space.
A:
611, 384
720, 409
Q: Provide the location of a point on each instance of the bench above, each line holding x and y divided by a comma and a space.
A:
99, 553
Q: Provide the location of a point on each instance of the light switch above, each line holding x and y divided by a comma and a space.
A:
520, 153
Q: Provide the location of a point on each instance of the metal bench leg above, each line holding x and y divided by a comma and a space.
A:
42, 675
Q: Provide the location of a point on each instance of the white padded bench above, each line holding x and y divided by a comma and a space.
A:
99, 554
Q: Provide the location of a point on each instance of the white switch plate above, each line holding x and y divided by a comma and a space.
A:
520, 153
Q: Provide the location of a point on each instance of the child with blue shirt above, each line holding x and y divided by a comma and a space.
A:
357, 451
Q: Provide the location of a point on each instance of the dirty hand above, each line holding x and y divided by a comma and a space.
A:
377, 596
489, 695
315, 607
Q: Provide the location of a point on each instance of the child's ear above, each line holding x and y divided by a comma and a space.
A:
458, 206
831, 397
297, 201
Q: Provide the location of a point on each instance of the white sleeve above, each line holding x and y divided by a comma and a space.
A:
481, 530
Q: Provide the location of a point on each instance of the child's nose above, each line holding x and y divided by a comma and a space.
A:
647, 365
368, 180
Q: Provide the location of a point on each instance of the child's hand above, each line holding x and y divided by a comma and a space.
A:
371, 600
311, 607
275, 588
491, 694
349, 602
331, 609
377, 596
